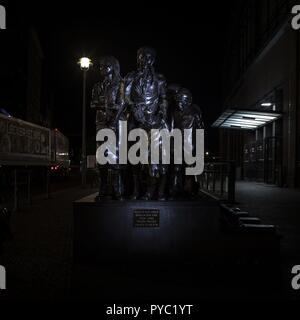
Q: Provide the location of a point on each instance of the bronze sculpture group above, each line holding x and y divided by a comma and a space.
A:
145, 101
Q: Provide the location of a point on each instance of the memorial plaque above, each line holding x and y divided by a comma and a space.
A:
146, 218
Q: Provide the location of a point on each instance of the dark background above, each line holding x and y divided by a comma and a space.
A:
192, 42
188, 39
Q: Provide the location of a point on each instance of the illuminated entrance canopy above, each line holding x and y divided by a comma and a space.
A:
245, 119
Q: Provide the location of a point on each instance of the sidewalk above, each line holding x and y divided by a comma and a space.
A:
38, 261
278, 206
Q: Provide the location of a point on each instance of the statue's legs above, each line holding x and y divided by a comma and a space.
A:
151, 188
162, 188
176, 187
136, 182
156, 182
103, 179
151, 184
190, 188
163, 170
118, 184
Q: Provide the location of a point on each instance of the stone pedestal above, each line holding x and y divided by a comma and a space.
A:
145, 230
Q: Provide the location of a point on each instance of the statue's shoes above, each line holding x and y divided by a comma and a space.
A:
146, 197
98, 198
162, 198
134, 197
119, 198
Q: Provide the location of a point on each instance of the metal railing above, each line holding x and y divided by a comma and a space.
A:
218, 179
16, 187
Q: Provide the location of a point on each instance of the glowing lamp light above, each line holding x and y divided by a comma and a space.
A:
85, 63
266, 104
245, 119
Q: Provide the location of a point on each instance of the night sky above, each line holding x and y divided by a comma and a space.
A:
189, 41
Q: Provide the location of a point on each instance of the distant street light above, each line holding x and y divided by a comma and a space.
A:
266, 104
85, 63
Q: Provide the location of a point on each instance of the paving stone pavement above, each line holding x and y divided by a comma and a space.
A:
38, 261
280, 207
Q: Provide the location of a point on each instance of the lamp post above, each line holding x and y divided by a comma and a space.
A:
85, 64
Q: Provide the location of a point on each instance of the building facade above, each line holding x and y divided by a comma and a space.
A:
262, 77
24, 91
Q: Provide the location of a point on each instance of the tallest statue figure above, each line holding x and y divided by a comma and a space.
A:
145, 95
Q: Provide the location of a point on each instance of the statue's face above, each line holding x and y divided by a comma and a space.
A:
106, 69
183, 101
144, 60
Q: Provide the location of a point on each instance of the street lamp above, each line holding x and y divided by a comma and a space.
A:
85, 64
